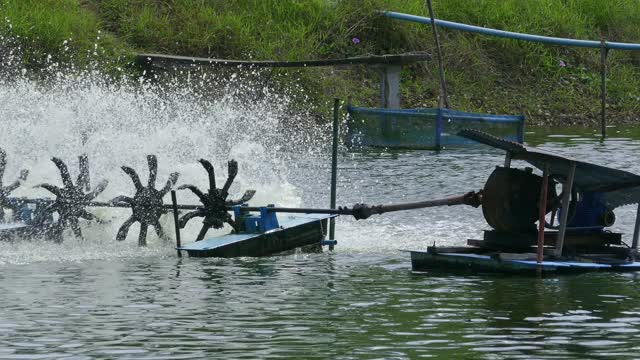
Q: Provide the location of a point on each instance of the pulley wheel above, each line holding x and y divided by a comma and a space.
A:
510, 199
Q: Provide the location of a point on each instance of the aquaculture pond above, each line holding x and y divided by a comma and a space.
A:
98, 298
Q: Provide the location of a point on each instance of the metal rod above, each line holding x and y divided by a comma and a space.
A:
170, 61
564, 214
470, 198
334, 168
166, 206
438, 129
443, 83
339, 211
245, 208
603, 88
507, 160
83, 162
176, 223
449, 201
466, 199
543, 211
636, 231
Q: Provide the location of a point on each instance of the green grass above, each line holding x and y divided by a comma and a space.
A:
484, 73
62, 31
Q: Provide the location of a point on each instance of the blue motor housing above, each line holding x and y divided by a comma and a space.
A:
591, 214
23, 210
255, 223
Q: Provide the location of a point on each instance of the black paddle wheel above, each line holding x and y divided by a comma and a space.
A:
5, 191
146, 205
70, 203
214, 203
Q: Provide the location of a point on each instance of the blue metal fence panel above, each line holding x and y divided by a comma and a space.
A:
429, 128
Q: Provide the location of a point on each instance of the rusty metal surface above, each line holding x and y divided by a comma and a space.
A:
620, 187
510, 200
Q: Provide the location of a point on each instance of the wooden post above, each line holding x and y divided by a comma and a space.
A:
542, 212
334, 168
443, 84
603, 88
564, 214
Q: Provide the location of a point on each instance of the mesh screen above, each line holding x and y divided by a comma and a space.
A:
418, 128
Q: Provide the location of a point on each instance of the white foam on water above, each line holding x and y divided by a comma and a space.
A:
415, 230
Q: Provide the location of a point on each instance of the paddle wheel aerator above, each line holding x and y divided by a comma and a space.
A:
71, 202
512, 201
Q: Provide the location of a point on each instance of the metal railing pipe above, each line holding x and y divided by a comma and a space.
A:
512, 35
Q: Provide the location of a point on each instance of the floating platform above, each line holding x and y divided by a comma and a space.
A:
294, 231
429, 260
517, 244
516, 253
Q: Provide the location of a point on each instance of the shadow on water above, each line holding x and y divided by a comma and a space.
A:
392, 313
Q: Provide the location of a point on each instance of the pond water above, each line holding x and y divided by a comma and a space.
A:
95, 298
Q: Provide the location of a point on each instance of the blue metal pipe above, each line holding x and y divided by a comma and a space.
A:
513, 35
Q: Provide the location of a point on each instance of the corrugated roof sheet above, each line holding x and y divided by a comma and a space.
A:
619, 187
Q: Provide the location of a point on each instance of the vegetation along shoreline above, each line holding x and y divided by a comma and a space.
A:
550, 85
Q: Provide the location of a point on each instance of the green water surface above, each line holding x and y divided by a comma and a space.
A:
361, 301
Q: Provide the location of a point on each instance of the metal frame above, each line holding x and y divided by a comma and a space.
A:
507, 160
334, 167
542, 213
636, 234
564, 214
603, 45
438, 134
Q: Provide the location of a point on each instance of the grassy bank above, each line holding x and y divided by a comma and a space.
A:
47, 32
548, 84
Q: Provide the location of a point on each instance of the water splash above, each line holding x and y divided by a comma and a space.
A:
180, 116
188, 114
